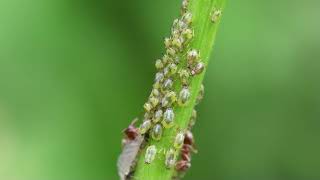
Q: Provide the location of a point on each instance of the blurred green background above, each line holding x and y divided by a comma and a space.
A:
73, 74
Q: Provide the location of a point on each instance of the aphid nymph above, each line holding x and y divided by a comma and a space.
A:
167, 42
145, 126
192, 56
184, 95
215, 16
171, 52
171, 157
187, 18
159, 77
169, 98
168, 118
173, 68
168, 83
155, 92
200, 95
159, 64
156, 132
150, 154
157, 116
198, 69
184, 76
148, 107
193, 118
177, 42
187, 33
179, 139
153, 101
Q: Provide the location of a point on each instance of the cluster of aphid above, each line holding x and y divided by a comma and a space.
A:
178, 64
160, 106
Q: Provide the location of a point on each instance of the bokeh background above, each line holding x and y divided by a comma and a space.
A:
73, 74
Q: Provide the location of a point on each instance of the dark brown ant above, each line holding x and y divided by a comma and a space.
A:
188, 147
183, 165
188, 138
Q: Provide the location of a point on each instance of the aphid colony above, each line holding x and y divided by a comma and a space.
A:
159, 109
179, 64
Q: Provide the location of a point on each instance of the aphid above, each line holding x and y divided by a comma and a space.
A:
183, 165
131, 131
181, 25
215, 16
192, 57
165, 102
198, 69
168, 118
157, 85
167, 42
184, 76
184, 95
176, 42
148, 115
193, 118
171, 158
159, 64
185, 4
168, 83
172, 96
157, 116
156, 132
153, 101
177, 60
178, 141
166, 71
173, 68
200, 95
148, 107
171, 52
187, 18
155, 92
182, 40
150, 154
175, 23
169, 99
187, 147
159, 77
187, 33
145, 126
175, 33
166, 59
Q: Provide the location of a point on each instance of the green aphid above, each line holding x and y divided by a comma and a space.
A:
156, 132
168, 118
150, 154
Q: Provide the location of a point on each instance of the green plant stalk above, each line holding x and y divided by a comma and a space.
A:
204, 36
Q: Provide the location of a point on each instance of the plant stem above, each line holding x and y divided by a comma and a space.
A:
204, 36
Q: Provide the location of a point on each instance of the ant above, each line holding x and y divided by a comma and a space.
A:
187, 148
